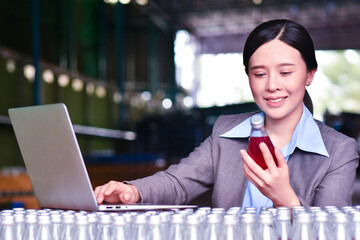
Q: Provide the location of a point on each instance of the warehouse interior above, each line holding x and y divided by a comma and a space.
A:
113, 64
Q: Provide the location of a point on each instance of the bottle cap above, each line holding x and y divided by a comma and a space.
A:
257, 121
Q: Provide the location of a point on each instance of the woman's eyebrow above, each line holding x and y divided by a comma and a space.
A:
279, 65
286, 64
257, 67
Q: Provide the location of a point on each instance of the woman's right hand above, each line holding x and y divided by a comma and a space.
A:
274, 182
117, 192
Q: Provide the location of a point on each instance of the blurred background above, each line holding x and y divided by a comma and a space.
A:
144, 80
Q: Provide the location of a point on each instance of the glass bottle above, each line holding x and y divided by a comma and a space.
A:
129, 218
30, 226
93, 225
321, 225
258, 134
177, 227
154, 228
81, 231
283, 224
19, 219
266, 227
140, 227
165, 223
119, 228
230, 228
56, 226
247, 226
7, 227
44, 227
354, 217
104, 230
341, 230
68, 227
213, 226
302, 227
193, 227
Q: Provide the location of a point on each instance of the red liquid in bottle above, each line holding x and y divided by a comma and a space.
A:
255, 152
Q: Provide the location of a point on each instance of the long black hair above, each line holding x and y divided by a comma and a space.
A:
290, 33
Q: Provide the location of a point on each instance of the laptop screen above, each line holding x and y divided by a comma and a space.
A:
52, 157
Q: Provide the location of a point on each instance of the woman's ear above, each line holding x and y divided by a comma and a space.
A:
310, 76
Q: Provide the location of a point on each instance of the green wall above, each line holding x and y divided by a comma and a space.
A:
84, 109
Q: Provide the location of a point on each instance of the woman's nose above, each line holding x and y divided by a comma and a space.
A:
273, 83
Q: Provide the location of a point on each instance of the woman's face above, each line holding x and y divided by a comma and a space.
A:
278, 76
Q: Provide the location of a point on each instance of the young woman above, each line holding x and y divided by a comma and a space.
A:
316, 166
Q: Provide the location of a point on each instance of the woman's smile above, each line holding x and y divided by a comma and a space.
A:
275, 100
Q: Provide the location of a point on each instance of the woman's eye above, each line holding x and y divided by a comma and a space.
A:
259, 74
285, 73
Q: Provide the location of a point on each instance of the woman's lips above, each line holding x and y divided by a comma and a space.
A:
275, 101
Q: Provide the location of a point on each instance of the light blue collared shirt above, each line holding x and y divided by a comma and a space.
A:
306, 137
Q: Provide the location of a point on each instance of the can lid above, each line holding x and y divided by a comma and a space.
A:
257, 121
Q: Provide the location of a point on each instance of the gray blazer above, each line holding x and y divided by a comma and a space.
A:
216, 165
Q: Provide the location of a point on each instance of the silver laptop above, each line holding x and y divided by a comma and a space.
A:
54, 161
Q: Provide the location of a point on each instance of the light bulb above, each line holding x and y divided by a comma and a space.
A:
142, 2
124, 1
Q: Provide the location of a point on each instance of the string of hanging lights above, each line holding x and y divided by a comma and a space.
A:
140, 99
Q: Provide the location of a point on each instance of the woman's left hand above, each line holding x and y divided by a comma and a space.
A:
274, 182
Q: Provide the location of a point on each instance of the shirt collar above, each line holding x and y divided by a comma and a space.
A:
306, 136
242, 130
